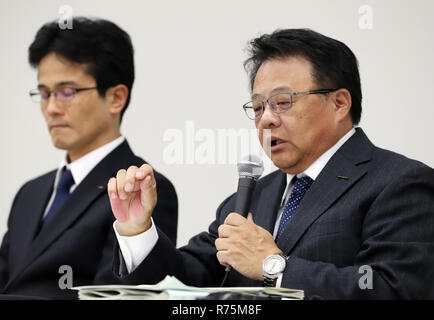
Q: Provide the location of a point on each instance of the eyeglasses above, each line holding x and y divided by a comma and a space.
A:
278, 103
62, 94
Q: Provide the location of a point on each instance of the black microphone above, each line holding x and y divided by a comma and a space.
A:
250, 168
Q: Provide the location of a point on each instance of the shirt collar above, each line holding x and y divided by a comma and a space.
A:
316, 167
81, 167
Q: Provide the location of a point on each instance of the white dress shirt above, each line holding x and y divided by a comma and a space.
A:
136, 248
81, 167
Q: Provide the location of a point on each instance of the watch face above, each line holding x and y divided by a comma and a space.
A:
274, 265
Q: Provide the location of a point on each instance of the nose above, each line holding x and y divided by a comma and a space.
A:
269, 119
52, 105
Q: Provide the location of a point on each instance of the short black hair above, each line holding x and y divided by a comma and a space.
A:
334, 65
105, 48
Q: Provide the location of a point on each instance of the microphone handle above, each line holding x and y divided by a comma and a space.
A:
246, 185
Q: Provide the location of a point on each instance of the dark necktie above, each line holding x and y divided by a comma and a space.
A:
300, 187
62, 192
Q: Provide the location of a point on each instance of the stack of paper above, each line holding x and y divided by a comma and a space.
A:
171, 288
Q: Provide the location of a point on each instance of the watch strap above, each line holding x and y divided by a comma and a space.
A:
268, 282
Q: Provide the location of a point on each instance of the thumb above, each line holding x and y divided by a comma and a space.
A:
146, 186
148, 193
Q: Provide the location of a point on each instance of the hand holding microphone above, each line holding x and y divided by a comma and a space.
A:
242, 244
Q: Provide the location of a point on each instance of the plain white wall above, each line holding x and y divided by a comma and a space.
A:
189, 56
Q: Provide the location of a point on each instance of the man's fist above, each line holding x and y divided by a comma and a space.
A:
244, 245
133, 197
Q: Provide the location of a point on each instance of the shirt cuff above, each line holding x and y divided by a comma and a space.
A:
279, 281
136, 248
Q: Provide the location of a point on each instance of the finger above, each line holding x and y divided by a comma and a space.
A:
112, 188
234, 219
115, 202
225, 230
221, 244
148, 181
144, 171
130, 180
222, 257
148, 190
120, 184
250, 217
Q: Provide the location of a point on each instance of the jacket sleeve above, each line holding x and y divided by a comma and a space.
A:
195, 264
4, 249
104, 274
165, 212
4, 252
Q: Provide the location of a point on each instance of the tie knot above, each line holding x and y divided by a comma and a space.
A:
66, 181
302, 184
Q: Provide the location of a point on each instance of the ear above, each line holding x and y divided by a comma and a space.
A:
117, 97
342, 103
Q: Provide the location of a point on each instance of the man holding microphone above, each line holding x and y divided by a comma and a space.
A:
337, 204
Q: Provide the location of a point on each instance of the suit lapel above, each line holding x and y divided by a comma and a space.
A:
32, 211
78, 202
328, 187
264, 212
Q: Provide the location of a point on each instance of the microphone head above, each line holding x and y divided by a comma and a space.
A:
250, 166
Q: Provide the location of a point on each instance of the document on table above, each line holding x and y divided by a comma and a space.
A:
170, 288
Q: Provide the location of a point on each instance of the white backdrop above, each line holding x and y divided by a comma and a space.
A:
189, 58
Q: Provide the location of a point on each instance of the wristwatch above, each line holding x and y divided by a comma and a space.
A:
272, 268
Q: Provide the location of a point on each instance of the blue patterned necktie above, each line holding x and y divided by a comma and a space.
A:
62, 192
300, 187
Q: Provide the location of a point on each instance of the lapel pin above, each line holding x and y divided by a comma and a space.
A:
343, 177
100, 187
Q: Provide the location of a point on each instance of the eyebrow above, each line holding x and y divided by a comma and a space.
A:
59, 84
275, 90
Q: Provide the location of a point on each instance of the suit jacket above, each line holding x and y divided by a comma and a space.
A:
382, 216
79, 235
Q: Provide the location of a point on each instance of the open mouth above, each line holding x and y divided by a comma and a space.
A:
275, 142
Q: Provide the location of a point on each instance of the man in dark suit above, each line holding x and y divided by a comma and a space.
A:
341, 219
60, 231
